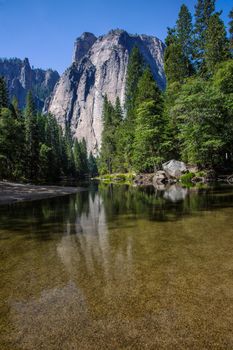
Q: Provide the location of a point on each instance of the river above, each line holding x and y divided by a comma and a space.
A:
118, 267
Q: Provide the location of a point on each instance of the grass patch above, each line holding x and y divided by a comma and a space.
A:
187, 178
116, 178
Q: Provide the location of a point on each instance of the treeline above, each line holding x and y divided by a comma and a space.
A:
34, 147
193, 119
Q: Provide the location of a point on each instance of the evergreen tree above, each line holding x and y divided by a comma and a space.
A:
69, 168
14, 107
231, 31
202, 113
134, 72
31, 138
176, 65
3, 94
46, 162
32, 145
111, 146
149, 124
108, 144
223, 78
171, 37
11, 145
84, 157
185, 31
216, 43
119, 133
118, 114
81, 158
204, 9
51, 164
92, 165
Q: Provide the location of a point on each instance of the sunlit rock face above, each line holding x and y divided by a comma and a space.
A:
99, 68
21, 78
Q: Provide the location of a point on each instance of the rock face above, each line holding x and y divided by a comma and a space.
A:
99, 67
82, 45
21, 78
174, 168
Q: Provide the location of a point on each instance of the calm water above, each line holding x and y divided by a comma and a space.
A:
118, 268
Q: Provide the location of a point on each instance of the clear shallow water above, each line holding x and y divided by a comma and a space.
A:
118, 268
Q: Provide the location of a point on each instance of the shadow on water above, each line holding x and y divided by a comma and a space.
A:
118, 267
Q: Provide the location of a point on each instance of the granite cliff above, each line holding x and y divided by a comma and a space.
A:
99, 67
21, 78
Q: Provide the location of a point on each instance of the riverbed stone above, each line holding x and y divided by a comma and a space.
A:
174, 168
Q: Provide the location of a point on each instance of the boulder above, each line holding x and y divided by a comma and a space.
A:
174, 168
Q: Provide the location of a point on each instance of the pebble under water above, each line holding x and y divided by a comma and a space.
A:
118, 267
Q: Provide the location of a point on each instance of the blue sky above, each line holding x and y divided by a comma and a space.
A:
45, 30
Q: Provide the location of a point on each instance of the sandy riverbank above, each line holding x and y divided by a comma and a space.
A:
14, 192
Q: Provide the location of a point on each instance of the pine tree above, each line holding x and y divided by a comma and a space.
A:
84, 157
171, 37
216, 43
14, 106
80, 158
134, 72
204, 10
50, 137
69, 156
117, 124
92, 165
231, 31
185, 31
149, 124
176, 65
31, 138
118, 114
3, 94
108, 145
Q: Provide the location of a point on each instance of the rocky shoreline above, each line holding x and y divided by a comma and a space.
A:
15, 192
174, 172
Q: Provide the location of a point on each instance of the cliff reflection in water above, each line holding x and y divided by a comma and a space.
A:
86, 240
118, 265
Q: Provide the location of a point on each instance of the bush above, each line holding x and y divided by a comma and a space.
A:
187, 178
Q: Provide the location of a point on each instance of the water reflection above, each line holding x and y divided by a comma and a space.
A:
87, 242
118, 267
175, 193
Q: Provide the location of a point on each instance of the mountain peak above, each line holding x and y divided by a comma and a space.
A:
86, 36
100, 69
82, 45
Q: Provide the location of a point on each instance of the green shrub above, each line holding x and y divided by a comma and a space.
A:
187, 178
